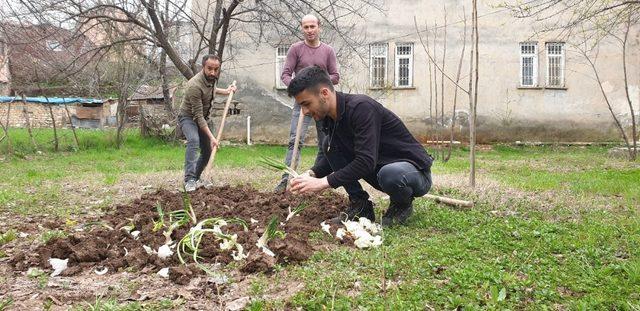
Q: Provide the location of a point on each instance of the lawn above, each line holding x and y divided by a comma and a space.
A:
553, 227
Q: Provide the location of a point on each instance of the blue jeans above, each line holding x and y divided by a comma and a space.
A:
402, 181
196, 139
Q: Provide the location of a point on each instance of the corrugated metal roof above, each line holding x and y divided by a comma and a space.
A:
52, 100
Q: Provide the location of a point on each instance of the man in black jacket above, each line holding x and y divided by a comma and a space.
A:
364, 140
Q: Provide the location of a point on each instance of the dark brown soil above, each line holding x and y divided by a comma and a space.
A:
99, 246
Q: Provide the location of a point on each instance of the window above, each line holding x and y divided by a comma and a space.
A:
404, 65
378, 64
555, 64
281, 56
54, 45
528, 64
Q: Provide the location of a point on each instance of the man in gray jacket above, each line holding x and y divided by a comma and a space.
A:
194, 113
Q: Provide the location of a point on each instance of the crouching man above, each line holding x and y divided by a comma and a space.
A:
194, 113
364, 140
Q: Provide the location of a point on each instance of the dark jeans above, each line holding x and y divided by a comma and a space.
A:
196, 139
402, 181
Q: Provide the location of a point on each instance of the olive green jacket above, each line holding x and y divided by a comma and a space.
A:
198, 97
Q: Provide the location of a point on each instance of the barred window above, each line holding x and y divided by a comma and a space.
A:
555, 64
54, 45
404, 65
528, 64
281, 56
378, 64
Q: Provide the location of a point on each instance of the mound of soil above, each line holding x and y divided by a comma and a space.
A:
103, 243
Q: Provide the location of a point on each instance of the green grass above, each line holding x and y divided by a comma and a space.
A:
558, 257
579, 170
454, 258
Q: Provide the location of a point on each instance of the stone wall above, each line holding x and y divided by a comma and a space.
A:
38, 114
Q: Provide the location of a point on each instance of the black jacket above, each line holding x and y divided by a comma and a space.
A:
369, 136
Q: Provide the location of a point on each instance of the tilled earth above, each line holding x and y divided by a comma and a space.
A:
103, 243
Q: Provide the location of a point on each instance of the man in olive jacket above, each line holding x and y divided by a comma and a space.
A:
194, 113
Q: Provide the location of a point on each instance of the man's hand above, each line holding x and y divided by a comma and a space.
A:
307, 184
231, 88
214, 142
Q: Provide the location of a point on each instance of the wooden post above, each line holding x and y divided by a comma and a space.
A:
449, 201
207, 169
26, 119
55, 131
73, 129
6, 130
296, 144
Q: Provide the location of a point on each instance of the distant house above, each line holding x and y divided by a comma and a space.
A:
41, 59
150, 100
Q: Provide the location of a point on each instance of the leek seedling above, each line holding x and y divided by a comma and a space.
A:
269, 234
159, 224
176, 219
296, 210
188, 208
279, 166
190, 243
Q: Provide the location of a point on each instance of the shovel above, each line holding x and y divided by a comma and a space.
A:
207, 169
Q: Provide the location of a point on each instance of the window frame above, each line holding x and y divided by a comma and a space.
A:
53, 45
562, 59
385, 55
279, 66
398, 57
534, 64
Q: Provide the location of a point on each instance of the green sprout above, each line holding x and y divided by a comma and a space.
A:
279, 166
301, 207
159, 224
270, 233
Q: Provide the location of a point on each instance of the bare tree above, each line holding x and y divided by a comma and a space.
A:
455, 94
473, 99
590, 50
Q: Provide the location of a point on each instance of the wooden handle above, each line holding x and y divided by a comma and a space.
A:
294, 158
449, 201
207, 169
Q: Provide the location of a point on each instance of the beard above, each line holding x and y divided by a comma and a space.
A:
211, 79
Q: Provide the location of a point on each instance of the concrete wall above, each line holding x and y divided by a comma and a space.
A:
506, 112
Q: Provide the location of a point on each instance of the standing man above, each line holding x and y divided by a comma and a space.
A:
364, 140
194, 113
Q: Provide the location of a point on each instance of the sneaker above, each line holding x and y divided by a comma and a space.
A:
397, 213
204, 183
357, 209
190, 186
282, 186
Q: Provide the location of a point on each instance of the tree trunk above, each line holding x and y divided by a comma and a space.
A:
166, 96
55, 130
634, 135
73, 129
455, 94
28, 123
6, 131
473, 94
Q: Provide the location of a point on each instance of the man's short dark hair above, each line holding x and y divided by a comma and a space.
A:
208, 57
309, 78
